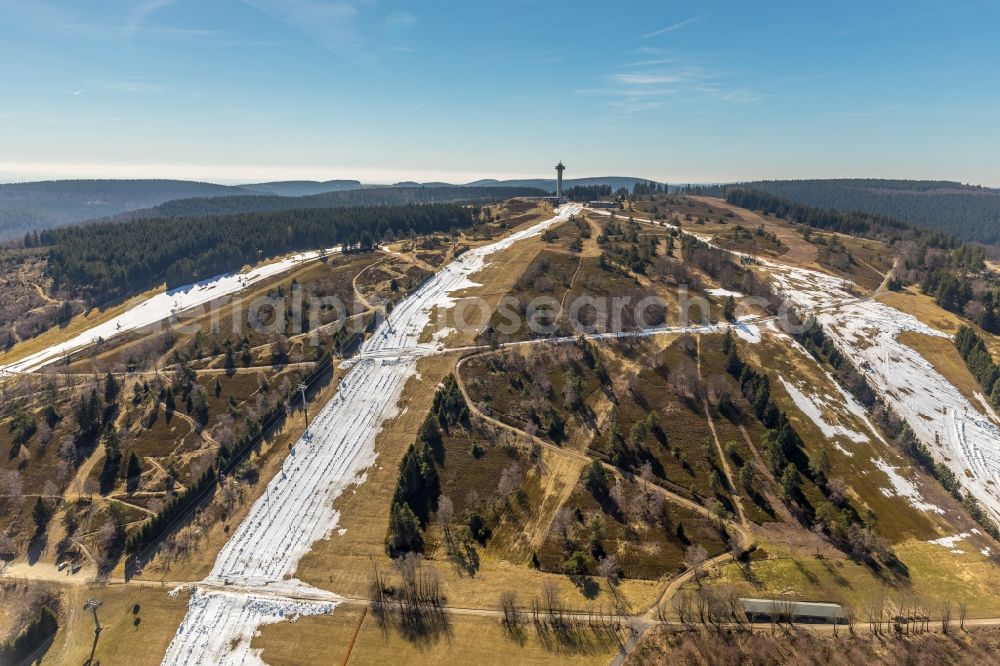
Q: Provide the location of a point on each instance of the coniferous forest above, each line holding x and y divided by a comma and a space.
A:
107, 260
375, 196
969, 212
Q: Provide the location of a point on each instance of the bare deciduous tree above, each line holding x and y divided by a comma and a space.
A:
610, 568
510, 483
563, 525
552, 601
11, 489
7, 546
682, 606
511, 615
694, 558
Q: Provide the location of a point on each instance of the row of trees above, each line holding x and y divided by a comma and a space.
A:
980, 362
588, 192
20, 647
834, 516
108, 260
966, 289
418, 487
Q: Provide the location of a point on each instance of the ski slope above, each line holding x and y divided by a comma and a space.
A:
161, 307
296, 509
867, 331
958, 434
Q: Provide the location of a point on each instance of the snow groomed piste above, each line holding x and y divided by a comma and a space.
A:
867, 332
251, 584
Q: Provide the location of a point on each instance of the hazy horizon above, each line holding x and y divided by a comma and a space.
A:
452, 178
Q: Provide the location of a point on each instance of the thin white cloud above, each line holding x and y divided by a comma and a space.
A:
647, 78
334, 25
652, 89
125, 85
638, 106
670, 28
400, 19
647, 63
143, 11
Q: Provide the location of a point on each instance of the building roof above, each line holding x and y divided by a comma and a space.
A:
799, 608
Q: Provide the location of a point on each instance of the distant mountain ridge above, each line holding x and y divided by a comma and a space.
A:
549, 184
42, 205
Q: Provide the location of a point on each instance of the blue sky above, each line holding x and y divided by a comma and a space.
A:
231, 90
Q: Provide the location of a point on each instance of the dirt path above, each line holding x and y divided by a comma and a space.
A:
358, 294
761, 465
572, 282
521, 434
419, 263
641, 623
42, 295
737, 499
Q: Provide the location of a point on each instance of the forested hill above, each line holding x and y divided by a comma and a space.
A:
967, 212
376, 196
99, 261
34, 206
302, 188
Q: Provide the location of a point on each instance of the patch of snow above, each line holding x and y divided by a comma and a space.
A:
813, 406
867, 332
220, 625
747, 331
723, 293
903, 487
296, 509
950, 541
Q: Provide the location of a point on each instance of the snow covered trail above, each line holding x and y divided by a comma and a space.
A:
867, 331
162, 306
296, 509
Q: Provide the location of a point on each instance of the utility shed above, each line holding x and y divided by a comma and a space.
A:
811, 612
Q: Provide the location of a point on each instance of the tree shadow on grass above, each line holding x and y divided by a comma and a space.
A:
36, 547
837, 577
588, 586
